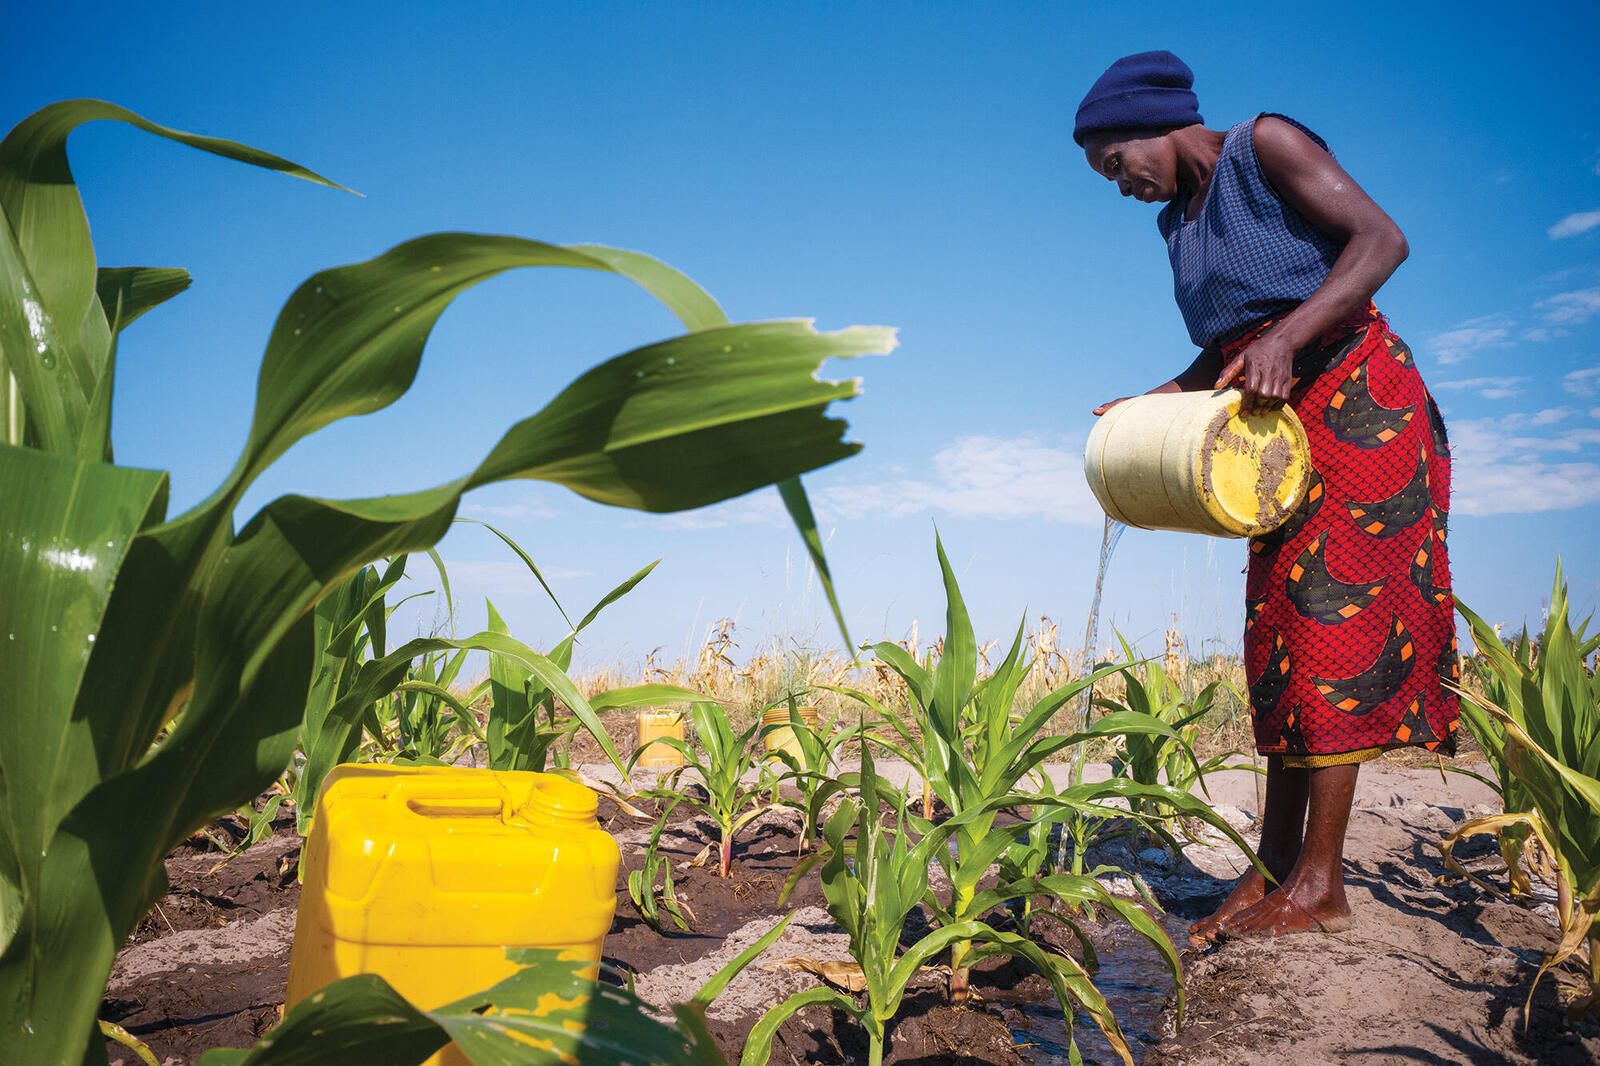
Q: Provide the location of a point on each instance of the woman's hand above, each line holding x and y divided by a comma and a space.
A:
1109, 404
1268, 374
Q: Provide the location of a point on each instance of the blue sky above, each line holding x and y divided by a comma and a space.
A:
905, 165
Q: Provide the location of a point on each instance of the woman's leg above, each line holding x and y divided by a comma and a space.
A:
1312, 895
1282, 826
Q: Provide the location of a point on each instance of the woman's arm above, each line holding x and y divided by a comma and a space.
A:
1200, 375
1313, 184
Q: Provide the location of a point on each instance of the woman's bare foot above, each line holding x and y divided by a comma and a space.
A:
1292, 909
1251, 890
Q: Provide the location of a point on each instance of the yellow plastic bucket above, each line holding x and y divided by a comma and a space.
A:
783, 738
424, 875
1189, 461
659, 725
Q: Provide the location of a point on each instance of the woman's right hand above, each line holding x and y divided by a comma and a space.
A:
1109, 404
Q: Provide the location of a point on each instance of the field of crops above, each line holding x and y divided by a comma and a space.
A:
941, 850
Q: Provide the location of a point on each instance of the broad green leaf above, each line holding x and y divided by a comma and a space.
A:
758, 1045
642, 696
958, 664
64, 531
103, 870
550, 1010
49, 232
126, 293
360, 1019
510, 710
54, 397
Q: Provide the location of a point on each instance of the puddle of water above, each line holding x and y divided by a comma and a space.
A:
1135, 983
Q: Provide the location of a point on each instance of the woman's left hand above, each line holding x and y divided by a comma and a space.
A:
1268, 370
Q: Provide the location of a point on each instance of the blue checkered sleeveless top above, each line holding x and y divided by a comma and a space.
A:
1249, 255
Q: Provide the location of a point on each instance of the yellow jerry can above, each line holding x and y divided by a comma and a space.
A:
783, 738
423, 875
659, 725
1190, 461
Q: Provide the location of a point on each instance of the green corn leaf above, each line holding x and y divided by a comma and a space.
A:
47, 235
65, 531
900, 661
917, 955
719, 980
126, 293
958, 665
642, 696
758, 1045
529, 563
358, 1019
510, 711
548, 1009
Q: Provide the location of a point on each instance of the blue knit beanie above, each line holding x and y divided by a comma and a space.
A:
1151, 90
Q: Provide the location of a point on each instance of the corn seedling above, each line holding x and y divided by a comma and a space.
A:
1548, 739
1161, 758
809, 770
1500, 689
975, 751
216, 618
649, 901
871, 884
720, 761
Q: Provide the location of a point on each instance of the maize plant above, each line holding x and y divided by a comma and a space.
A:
809, 769
872, 883
1160, 758
976, 750
721, 762
1546, 735
647, 899
116, 615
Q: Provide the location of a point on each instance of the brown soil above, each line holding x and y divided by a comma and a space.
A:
1429, 974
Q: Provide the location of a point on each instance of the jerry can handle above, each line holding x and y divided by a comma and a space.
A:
456, 806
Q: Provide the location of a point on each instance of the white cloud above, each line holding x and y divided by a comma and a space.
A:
1488, 388
1500, 468
1573, 225
1584, 382
983, 477
1594, 412
972, 477
1549, 416
515, 510
1455, 345
1571, 308
501, 578
761, 507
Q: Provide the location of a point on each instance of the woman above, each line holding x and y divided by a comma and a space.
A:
1349, 629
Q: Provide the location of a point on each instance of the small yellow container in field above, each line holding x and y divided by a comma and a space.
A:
424, 875
659, 725
783, 738
1189, 461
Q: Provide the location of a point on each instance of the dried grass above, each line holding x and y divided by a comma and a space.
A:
782, 666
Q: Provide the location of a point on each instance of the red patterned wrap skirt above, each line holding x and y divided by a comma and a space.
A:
1349, 619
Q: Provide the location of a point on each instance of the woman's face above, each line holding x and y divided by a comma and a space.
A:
1143, 164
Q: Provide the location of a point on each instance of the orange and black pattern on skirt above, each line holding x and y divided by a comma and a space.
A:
1349, 618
